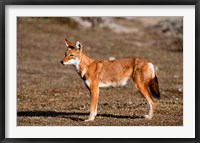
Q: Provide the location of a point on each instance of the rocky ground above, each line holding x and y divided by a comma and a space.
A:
49, 94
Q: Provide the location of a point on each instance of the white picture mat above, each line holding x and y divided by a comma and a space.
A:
14, 131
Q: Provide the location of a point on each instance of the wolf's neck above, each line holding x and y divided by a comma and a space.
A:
82, 65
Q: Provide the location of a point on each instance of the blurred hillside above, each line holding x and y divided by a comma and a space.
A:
169, 26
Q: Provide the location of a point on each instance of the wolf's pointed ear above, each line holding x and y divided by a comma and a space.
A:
69, 44
78, 46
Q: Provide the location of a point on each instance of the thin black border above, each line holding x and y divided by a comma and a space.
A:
98, 2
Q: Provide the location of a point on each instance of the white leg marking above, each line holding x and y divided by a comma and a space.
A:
91, 117
150, 115
95, 112
150, 107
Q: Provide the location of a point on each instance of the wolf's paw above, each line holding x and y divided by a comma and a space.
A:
149, 117
88, 120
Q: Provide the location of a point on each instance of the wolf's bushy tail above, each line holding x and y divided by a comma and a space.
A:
154, 88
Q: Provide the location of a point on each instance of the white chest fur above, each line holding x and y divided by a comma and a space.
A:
87, 82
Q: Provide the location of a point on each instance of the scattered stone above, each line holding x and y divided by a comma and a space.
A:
111, 58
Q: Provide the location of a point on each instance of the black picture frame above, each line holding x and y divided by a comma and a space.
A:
3, 4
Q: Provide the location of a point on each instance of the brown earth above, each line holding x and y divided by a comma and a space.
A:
49, 94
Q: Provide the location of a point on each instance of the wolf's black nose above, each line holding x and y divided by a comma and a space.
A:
61, 62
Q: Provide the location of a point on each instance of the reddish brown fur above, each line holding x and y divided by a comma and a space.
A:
104, 73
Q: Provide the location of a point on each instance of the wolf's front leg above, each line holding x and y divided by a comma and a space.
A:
94, 93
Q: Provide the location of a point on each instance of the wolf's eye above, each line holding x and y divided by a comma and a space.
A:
71, 55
